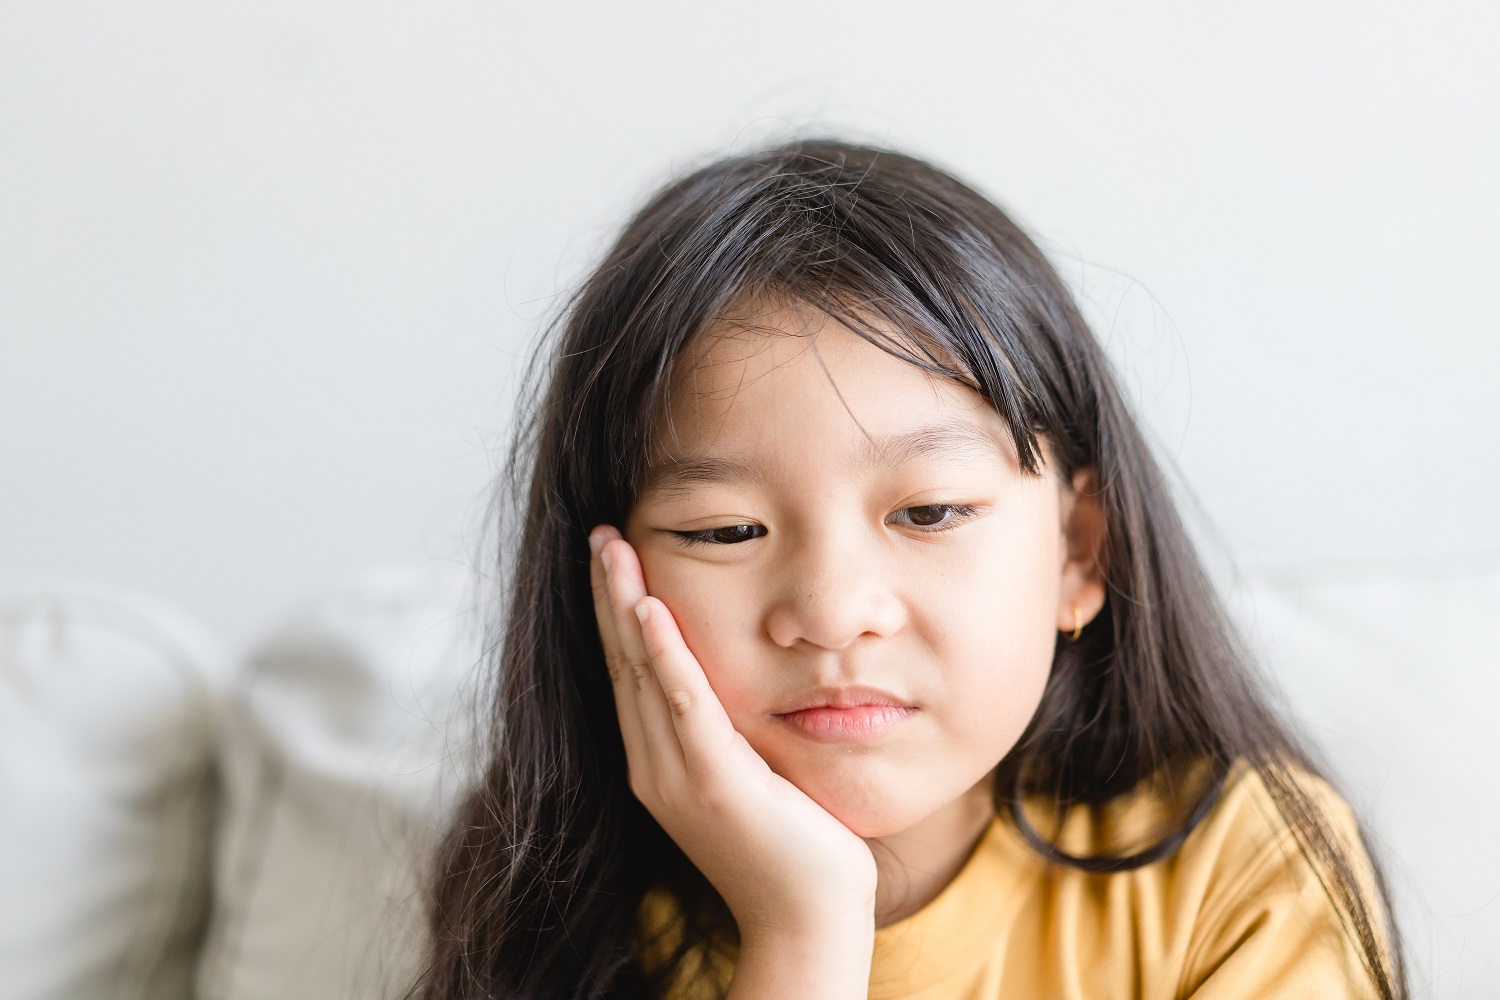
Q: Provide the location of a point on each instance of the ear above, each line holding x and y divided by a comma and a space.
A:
1083, 535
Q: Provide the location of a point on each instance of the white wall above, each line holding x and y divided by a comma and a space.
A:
265, 269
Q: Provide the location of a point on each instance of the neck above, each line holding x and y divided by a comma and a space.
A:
917, 864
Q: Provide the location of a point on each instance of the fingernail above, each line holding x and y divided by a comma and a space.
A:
596, 541
608, 559
642, 612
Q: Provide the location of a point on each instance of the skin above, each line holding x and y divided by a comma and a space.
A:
776, 553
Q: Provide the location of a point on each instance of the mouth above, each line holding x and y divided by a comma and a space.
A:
846, 715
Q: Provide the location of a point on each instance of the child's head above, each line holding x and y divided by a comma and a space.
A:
791, 309
860, 437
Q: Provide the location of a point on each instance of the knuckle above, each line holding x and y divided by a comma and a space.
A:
680, 701
641, 668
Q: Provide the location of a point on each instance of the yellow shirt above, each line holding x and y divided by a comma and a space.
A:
1236, 913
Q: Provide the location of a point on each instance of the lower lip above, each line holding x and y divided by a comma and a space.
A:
847, 725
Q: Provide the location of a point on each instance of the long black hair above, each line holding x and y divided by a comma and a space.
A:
542, 878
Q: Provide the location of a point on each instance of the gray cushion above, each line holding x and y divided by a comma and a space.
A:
109, 709
347, 745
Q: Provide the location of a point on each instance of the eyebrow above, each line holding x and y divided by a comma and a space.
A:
678, 475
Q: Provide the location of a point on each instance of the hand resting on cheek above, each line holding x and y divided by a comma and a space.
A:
785, 867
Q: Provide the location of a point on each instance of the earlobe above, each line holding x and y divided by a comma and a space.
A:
1084, 531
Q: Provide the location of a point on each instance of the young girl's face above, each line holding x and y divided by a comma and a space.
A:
849, 547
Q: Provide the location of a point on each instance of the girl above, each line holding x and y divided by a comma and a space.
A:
854, 647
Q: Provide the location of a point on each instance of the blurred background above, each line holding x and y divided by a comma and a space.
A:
267, 271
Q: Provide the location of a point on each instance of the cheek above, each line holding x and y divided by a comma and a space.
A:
998, 592
715, 613
990, 620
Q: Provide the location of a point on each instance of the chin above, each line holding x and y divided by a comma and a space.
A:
874, 827
868, 812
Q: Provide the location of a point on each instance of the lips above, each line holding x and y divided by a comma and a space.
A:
845, 715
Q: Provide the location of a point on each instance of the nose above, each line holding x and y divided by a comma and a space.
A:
831, 592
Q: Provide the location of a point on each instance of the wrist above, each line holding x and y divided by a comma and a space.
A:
825, 924
829, 961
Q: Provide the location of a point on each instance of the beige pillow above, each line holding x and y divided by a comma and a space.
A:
109, 708
347, 746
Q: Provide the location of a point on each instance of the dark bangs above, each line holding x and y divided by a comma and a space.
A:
856, 234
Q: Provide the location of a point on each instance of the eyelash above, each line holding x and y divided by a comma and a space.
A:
961, 511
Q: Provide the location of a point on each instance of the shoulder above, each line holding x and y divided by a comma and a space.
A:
1248, 820
1278, 879
1270, 824
1264, 897
1258, 815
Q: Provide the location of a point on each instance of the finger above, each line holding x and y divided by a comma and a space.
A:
627, 586
622, 679
598, 583
703, 727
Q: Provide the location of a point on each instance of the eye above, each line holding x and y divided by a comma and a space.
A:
728, 535
935, 517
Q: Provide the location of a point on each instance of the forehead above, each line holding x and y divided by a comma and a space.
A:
790, 385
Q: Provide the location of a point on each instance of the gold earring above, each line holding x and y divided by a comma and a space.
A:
1077, 623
